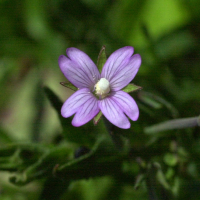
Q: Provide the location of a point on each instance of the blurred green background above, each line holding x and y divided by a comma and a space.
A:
33, 34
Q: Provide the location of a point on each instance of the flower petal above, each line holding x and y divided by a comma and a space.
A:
113, 113
116, 60
75, 101
85, 63
126, 73
74, 73
87, 111
127, 104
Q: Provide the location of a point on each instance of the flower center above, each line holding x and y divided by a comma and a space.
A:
102, 88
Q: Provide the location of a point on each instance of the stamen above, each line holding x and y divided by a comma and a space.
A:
102, 88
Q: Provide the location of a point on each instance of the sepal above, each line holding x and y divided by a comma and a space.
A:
69, 85
131, 88
97, 118
101, 59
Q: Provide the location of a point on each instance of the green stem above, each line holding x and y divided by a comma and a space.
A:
174, 124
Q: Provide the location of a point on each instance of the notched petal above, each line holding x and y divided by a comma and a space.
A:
126, 74
75, 101
86, 112
117, 59
75, 74
127, 104
113, 113
85, 63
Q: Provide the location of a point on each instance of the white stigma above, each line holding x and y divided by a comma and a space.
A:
102, 88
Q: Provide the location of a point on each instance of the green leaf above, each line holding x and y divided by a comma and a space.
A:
162, 179
139, 180
156, 182
54, 100
19, 157
131, 88
103, 159
120, 142
69, 85
157, 102
43, 165
54, 188
5, 137
170, 159
101, 59
97, 118
116, 135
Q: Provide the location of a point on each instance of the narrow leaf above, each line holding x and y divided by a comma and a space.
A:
139, 180
53, 98
155, 181
158, 102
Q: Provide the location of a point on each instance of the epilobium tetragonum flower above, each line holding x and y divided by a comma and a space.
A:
100, 92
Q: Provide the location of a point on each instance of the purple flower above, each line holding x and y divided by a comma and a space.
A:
100, 92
